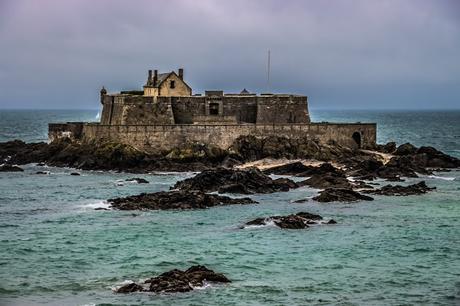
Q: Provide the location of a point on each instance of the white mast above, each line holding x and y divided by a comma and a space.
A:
268, 72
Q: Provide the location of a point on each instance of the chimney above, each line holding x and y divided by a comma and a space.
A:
181, 73
155, 77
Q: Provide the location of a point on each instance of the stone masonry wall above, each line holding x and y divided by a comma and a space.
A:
166, 137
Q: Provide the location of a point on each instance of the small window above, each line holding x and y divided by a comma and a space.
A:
172, 84
214, 109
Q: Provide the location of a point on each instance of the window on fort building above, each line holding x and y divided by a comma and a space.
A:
172, 84
214, 108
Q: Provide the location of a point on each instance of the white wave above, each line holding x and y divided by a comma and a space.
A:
203, 287
441, 178
266, 224
97, 204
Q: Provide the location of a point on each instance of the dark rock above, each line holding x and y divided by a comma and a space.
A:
288, 169
300, 170
10, 168
389, 148
298, 221
437, 159
42, 172
101, 208
138, 180
322, 181
415, 189
130, 288
238, 181
75, 174
406, 149
175, 200
332, 221
178, 281
340, 195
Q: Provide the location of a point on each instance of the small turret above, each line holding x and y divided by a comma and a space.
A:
103, 93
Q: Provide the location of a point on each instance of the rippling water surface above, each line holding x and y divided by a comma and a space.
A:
56, 249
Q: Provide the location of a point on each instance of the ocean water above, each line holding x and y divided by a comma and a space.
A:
57, 250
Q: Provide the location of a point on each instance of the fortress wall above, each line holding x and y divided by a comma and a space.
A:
72, 130
282, 109
131, 109
186, 108
166, 137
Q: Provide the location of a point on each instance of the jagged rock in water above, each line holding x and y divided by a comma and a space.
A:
390, 190
223, 180
137, 180
177, 281
75, 174
10, 168
340, 195
295, 221
329, 180
42, 172
130, 288
179, 199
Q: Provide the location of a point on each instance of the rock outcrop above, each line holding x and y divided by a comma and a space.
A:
175, 200
415, 189
340, 195
176, 281
224, 180
297, 221
10, 168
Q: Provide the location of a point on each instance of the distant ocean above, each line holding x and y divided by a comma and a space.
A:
57, 250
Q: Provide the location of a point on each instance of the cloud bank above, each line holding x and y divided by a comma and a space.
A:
342, 54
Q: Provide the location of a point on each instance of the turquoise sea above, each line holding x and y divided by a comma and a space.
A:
57, 250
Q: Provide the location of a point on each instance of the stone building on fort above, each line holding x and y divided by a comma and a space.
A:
166, 114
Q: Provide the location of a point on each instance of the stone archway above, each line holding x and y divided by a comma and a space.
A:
357, 138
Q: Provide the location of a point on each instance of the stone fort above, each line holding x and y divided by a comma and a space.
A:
166, 114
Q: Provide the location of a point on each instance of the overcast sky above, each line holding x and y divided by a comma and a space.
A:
341, 54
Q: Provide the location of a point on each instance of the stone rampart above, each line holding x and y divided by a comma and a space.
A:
167, 137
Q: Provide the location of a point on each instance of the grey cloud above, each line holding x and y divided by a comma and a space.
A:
356, 54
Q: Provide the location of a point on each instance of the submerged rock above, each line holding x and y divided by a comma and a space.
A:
235, 181
10, 168
390, 190
175, 200
298, 221
75, 174
137, 180
340, 195
177, 281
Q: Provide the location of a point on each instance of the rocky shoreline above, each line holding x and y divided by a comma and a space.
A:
340, 175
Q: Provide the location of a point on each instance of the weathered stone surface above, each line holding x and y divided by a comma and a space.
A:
340, 195
406, 149
223, 180
415, 189
177, 281
138, 180
300, 170
174, 200
295, 221
328, 180
10, 168
389, 147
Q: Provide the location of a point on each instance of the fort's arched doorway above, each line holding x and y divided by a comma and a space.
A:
357, 138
